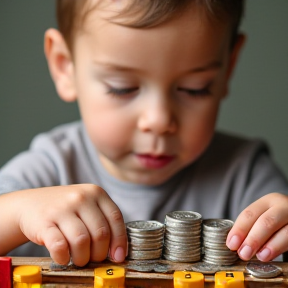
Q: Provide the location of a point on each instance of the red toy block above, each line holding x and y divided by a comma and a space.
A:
5, 272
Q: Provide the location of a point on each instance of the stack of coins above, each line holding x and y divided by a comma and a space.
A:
182, 239
145, 239
214, 234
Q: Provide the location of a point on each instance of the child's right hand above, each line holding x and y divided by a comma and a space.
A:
80, 221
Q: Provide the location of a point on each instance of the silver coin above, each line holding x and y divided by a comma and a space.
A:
183, 240
145, 254
206, 268
193, 224
183, 216
139, 240
215, 236
221, 257
180, 232
144, 226
217, 224
219, 262
180, 245
149, 244
145, 246
219, 252
146, 235
218, 246
181, 250
181, 259
149, 266
263, 270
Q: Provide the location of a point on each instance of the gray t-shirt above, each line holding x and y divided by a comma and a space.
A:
230, 175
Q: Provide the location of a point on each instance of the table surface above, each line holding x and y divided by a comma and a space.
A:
84, 277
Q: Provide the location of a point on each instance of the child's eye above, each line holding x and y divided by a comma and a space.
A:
196, 92
121, 91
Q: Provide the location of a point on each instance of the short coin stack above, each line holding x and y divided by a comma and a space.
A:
145, 239
182, 239
214, 234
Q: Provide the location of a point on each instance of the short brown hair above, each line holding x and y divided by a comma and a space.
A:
72, 13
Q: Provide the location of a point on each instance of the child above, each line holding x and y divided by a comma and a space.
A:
149, 77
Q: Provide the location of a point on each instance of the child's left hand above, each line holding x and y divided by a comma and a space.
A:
261, 229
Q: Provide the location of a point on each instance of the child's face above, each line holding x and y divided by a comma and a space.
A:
149, 98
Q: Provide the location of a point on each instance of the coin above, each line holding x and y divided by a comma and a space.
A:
145, 239
181, 258
263, 270
149, 266
214, 234
217, 224
206, 268
144, 226
182, 237
145, 254
183, 217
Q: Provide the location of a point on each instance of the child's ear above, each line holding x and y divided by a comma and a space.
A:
234, 55
60, 64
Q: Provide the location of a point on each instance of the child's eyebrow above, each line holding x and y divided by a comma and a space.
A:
214, 65
110, 66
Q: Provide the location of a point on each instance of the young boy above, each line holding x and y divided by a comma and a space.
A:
149, 77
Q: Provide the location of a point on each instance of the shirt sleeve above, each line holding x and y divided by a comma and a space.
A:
256, 177
46, 163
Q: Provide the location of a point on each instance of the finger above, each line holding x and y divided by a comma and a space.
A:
78, 239
56, 244
277, 245
265, 217
118, 242
99, 231
265, 226
244, 223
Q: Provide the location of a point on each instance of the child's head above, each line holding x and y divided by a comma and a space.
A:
148, 78
147, 13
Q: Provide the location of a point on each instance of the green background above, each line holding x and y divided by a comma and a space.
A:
257, 105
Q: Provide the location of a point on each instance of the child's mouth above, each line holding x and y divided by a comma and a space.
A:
154, 162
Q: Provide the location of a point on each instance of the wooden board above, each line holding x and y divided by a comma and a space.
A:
84, 277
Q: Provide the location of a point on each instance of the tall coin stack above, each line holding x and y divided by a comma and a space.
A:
214, 234
182, 238
145, 239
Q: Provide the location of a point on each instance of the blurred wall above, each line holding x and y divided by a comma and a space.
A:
257, 105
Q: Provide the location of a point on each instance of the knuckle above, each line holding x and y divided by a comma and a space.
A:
101, 234
116, 216
54, 242
96, 191
277, 198
253, 242
77, 197
248, 214
269, 222
82, 240
58, 246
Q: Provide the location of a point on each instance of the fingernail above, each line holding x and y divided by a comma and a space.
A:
234, 243
264, 254
246, 253
119, 255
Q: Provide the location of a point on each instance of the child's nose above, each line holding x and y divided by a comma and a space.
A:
157, 117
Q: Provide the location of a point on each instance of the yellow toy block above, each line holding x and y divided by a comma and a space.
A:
185, 279
27, 276
109, 277
229, 279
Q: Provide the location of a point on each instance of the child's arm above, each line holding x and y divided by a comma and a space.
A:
261, 229
80, 221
